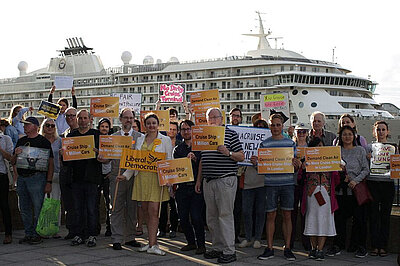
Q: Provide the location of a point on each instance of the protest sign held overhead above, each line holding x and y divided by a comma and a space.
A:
129, 100
175, 171
323, 159
207, 137
104, 106
140, 160
275, 103
275, 160
380, 158
250, 137
163, 117
49, 109
110, 147
203, 100
172, 93
63, 82
78, 148
395, 166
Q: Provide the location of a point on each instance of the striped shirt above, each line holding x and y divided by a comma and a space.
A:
216, 164
274, 180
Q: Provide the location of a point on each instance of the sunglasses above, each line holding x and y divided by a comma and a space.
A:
50, 125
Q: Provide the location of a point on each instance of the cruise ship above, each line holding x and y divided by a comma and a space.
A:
311, 84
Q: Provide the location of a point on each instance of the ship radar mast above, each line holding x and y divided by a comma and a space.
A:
76, 46
262, 41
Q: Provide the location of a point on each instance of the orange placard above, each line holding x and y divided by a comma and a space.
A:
395, 166
141, 160
203, 100
207, 137
110, 147
104, 106
300, 152
323, 159
175, 171
275, 160
163, 117
78, 148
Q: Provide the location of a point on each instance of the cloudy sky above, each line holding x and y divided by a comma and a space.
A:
363, 32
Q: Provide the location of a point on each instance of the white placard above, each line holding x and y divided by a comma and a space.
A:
131, 100
63, 82
250, 137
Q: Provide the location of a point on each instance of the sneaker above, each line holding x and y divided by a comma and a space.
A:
257, 244
117, 246
76, 241
155, 250
319, 256
361, 252
200, 250
91, 241
312, 254
227, 258
144, 248
172, 234
268, 254
133, 243
333, 251
245, 243
35, 240
26, 239
212, 254
288, 254
189, 247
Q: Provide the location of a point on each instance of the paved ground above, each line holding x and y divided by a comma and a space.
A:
59, 252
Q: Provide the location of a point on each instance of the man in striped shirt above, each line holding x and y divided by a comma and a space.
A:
218, 168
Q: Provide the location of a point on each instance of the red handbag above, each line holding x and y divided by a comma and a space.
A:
362, 194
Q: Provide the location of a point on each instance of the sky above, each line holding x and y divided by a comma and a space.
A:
363, 33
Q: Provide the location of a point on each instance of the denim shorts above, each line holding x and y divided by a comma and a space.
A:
283, 194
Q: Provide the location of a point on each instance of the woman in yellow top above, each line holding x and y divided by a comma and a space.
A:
146, 188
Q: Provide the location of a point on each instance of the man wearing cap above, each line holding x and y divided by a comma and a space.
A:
32, 184
123, 216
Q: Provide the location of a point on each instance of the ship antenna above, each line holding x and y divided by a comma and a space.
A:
262, 41
333, 54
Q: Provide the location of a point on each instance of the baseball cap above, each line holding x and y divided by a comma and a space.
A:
31, 120
300, 126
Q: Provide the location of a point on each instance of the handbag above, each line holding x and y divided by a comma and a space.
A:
362, 194
48, 219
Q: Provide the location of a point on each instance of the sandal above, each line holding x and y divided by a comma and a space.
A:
383, 253
374, 252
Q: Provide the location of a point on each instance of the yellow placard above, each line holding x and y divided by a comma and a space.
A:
203, 100
78, 148
300, 152
175, 171
163, 117
395, 166
110, 147
275, 160
104, 106
323, 159
207, 137
140, 160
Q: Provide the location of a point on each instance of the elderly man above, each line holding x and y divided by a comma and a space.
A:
317, 120
32, 184
123, 216
218, 169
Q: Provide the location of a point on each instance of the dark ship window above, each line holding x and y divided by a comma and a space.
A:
304, 92
313, 104
301, 104
295, 92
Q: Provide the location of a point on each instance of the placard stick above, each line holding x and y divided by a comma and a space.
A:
116, 191
159, 209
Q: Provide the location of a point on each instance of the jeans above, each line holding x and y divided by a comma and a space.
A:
30, 192
380, 210
190, 210
85, 196
4, 205
253, 199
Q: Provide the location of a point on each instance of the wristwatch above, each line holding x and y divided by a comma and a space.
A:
230, 154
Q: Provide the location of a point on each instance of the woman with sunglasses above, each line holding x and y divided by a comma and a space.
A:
48, 129
382, 190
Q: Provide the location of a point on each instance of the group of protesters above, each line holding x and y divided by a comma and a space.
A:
222, 194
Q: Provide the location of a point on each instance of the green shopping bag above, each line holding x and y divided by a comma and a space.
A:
48, 219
